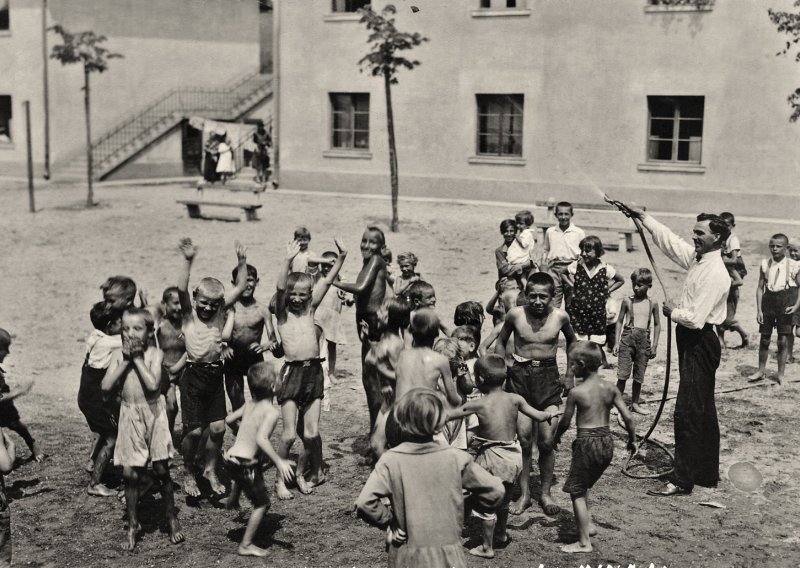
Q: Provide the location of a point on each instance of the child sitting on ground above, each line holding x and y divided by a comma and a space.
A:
424, 482
593, 447
8, 453
495, 446
9, 416
173, 348
633, 346
243, 460
143, 426
301, 379
776, 301
407, 262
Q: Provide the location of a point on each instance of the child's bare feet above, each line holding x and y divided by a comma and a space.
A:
231, 502
319, 478
89, 467
175, 532
304, 486
214, 482
130, 544
520, 505
190, 485
639, 409
482, 551
576, 547
779, 379
592, 530
282, 492
100, 490
38, 454
251, 550
757, 376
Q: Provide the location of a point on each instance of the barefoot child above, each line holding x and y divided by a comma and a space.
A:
204, 320
369, 290
633, 345
143, 426
250, 318
9, 416
534, 375
732, 257
495, 446
243, 460
776, 300
593, 447
301, 378
173, 348
8, 453
424, 483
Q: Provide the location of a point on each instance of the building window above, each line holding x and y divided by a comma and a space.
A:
5, 119
4, 15
348, 5
500, 125
676, 129
263, 6
350, 120
500, 4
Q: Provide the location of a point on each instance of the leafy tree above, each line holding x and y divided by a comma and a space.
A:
84, 48
789, 23
384, 60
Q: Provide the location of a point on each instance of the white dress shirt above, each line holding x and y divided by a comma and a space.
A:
705, 290
523, 247
563, 245
780, 275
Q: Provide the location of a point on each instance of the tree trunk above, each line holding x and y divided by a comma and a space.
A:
395, 182
89, 172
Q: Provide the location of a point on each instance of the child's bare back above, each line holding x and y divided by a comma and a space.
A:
419, 367
254, 415
594, 398
497, 414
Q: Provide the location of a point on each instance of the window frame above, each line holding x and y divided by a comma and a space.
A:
9, 120
675, 139
334, 10
503, 135
4, 31
332, 130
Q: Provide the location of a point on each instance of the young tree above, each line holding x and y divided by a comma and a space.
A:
383, 60
789, 23
84, 48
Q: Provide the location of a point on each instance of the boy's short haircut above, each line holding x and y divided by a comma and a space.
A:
424, 327
127, 285
102, 316
490, 371
251, 271
211, 288
642, 276
296, 278
468, 333
386, 254
329, 255
145, 314
587, 351
469, 313
415, 291
727, 216
566, 204
507, 223
169, 291
262, 378
419, 413
379, 232
594, 243
398, 314
302, 232
407, 258
525, 217
540, 279
717, 225
777, 236
794, 242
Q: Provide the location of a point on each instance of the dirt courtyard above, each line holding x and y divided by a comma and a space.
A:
55, 260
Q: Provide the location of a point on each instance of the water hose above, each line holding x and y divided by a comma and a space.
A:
628, 467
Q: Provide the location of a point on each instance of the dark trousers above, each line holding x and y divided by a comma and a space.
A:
696, 426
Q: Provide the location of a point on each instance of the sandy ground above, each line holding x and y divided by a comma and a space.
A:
55, 260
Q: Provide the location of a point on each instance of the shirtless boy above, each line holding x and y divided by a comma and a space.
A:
301, 378
173, 348
143, 427
243, 460
495, 446
534, 376
369, 290
204, 320
593, 447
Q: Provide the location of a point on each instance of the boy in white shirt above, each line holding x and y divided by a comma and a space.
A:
561, 248
522, 250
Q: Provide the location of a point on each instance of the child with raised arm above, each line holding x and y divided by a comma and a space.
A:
407, 262
8, 453
633, 346
243, 460
535, 328
424, 484
301, 378
776, 301
369, 290
329, 313
495, 446
206, 326
173, 348
593, 447
143, 426
250, 318
9, 416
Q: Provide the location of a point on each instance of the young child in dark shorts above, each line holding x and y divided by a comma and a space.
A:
243, 460
9, 416
776, 301
8, 453
301, 378
593, 447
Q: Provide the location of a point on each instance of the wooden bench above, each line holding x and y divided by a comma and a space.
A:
252, 187
193, 206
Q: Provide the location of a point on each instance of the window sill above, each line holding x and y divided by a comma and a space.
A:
348, 154
501, 13
342, 17
671, 167
657, 9
498, 160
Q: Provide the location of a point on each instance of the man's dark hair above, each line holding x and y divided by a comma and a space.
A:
717, 225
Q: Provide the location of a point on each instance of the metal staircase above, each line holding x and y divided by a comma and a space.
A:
133, 135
